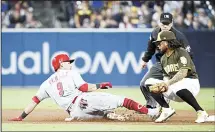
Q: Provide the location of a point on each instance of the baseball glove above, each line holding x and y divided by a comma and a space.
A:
158, 88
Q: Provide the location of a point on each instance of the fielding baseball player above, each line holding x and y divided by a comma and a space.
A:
181, 83
166, 24
67, 88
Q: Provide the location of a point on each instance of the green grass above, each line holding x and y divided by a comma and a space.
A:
19, 98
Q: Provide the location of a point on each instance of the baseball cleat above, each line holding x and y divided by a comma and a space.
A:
69, 119
156, 115
211, 118
201, 116
114, 116
166, 113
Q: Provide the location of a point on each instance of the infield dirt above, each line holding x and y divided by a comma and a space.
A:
45, 116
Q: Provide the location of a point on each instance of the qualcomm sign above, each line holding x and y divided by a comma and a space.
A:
42, 62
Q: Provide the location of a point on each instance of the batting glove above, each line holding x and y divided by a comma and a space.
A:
105, 85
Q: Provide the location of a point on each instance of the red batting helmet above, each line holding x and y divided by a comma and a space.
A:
60, 58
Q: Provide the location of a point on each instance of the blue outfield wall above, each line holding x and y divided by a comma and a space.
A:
100, 56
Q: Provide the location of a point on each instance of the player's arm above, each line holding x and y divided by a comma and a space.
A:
88, 87
26, 111
184, 67
182, 73
40, 95
150, 50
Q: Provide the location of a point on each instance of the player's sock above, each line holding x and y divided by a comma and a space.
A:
132, 105
160, 99
188, 97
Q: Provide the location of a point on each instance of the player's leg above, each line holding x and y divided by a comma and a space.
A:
189, 98
150, 102
185, 91
106, 102
167, 111
191, 88
82, 110
95, 105
155, 73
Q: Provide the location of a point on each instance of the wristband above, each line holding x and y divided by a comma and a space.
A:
23, 115
98, 86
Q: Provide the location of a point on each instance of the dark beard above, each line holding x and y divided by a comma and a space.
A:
162, 52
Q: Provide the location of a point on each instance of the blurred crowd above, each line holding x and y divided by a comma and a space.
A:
189, 15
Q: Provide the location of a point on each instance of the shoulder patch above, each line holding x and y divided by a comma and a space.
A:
183, 60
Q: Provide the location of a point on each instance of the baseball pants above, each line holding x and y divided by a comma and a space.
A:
155, 73
187, 83
95, 105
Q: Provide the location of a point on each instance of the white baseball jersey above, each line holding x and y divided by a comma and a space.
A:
62, 87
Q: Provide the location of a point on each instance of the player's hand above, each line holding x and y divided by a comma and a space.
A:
105, 85
158, 88
16, 119
144, 64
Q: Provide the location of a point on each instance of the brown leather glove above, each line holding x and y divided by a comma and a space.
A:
158, 88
